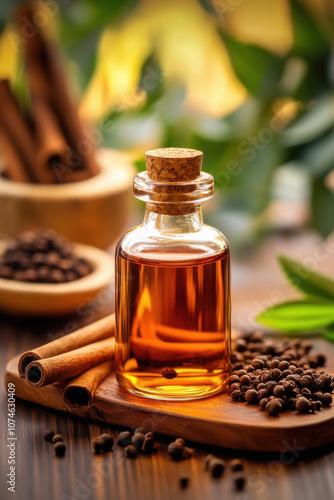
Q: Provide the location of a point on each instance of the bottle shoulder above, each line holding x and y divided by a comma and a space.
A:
206, 242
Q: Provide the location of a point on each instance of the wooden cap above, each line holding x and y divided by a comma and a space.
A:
173, 164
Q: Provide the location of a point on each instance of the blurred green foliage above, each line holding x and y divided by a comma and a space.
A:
245, 149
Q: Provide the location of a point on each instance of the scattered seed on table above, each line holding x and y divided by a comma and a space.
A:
184, 482
60, 449
124, 438
48, 435
216, 467
175, 450
57, 438
188, 452
131, 451
236, 465
138, 440
239, 481
207, 460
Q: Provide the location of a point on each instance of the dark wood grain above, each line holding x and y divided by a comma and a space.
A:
80, 475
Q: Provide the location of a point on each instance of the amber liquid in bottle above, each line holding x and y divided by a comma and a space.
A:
173, 322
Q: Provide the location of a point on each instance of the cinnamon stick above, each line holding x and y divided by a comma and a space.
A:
165, 353
94, 332
69, 364
80, 391
47, 80
17, 143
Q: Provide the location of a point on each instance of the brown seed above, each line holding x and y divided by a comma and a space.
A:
148, 445
236, 395
251, 396
236, 465
48, 435
124, 438
98, 446
188, 452
181, 441
57, 438
131, 451
207, 460
326, 399
239, 481
303, 405
279, 391
216, 467
137, 440
184, 482
108, 440
60, 449
232, 379
245, 380
169, 373
175, 450
274, 407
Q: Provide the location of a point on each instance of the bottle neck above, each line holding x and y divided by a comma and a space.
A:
173, 224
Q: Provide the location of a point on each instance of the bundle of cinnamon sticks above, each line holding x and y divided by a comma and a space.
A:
52, 145
80, 360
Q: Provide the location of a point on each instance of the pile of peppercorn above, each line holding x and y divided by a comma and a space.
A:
279, 376
41, 257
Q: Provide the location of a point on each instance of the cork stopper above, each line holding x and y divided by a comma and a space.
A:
173, 165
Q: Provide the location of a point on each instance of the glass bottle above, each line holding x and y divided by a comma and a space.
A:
173, 286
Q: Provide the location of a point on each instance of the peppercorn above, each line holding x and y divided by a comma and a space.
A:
169, 373
236, 395
216, 467
181, 441
60, 449
188, 452
207, 460
251, 396
131, 451
279, 391
274, 407
175, 450
236, 465
326, 399
48, 435
137, 440
108, 441
239, 481
98, 446
232, 379
124, 438
57, 438
148, 444
263, 393
303, 405
184, 481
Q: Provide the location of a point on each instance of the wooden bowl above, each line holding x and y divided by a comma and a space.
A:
54, 299
93, 211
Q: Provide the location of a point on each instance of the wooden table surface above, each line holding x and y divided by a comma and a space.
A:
82, 476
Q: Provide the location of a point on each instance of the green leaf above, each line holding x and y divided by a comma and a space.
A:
298, 316
257, 69
306, 280
308, 36
329, 335
322, 208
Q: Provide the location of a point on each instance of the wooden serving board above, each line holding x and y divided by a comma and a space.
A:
216, 421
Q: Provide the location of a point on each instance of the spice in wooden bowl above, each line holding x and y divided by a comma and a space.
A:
42, 256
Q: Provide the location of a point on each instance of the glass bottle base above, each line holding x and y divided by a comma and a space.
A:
181, 388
